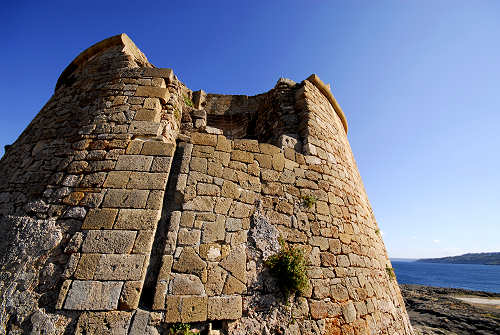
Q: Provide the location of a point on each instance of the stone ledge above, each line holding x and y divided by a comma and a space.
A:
88, 53
325, 89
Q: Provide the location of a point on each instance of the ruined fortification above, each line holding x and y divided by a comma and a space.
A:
131, 203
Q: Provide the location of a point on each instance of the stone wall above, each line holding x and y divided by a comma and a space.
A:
131, 203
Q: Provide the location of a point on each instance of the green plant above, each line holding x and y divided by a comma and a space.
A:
377, 231
309, 200
188, 101
289, 268
177, 114
180, 329
390, 272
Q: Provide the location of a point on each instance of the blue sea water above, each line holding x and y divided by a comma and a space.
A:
466, 276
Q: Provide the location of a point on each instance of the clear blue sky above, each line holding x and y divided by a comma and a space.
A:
418, 81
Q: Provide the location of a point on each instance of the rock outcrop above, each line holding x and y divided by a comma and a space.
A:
439, 311
131, 203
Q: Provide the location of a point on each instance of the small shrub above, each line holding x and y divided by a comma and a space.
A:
309, 200
390, 272
288, 267
180, 329
377, 231
188, 101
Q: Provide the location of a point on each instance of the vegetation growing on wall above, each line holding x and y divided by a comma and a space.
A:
180, 329
309, 200
188, 101
288, 267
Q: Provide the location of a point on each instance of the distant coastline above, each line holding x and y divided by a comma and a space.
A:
485, 258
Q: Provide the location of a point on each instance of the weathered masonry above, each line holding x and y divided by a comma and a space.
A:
131, 203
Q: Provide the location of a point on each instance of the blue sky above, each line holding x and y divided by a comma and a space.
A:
417, 80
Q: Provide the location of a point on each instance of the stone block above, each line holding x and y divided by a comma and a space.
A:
235, 263
152, 103
193, 308
242, 156
328, 259
153, 92
161, 164
187, 219
198, 164
230, 190
120, 267
222, 206
129, 298
93, 295
201, 203
157, 148
159, 295
343, 261
322, 208
100, 218
173, 309
223, 144
210, 251
246, 145
188, 236
117, 179
109, 242
147, 181
186, 284
204, 139
319, 309
71, 265
215, 280
215, 169
272, 188
339, 293
155, 199
125, 198
87, 266
268, 149
214, 231
134, 163
225, 308
100, 323
148, 115
166, 267
200, 123
143, 242
321, 242
265, 161
233, 286
240, 210
300, 308
189, 262
62, 293
207, 189
278, 161
349, 312
145, 128
233, 224
140, 219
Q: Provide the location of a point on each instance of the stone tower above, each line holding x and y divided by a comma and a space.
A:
131, 203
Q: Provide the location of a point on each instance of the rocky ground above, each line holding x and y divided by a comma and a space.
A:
444, 311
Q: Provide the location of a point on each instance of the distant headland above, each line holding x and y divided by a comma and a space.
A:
486, 258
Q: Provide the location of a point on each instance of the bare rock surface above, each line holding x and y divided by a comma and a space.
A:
440, 311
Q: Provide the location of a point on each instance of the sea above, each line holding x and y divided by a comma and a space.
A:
467, 276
